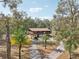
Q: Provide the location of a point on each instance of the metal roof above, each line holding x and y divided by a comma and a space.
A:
39, 29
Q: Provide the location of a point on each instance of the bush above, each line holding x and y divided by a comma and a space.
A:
13, 40
27, 41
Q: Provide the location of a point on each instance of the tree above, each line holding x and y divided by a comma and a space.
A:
67, 23
45, 38
12, 4
2, 26
6, 20
46, 23
20, 38
8, 39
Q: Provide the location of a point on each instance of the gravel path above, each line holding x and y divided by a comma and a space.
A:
57, 52
34, 53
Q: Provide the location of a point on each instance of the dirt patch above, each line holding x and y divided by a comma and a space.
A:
24, 52
46, 51
14, 52
65, 55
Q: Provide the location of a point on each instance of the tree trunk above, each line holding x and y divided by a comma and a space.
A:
45, 44
1, 36
70, 56
20, 45
8, 40
70, 52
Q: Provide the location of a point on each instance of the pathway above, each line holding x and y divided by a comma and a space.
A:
34, 53
57, 52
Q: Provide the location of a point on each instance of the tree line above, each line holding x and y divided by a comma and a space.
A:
27, 22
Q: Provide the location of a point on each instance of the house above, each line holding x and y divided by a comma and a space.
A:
38, 31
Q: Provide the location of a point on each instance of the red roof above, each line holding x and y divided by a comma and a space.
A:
39, 29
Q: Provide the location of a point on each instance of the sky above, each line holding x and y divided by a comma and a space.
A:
35, 8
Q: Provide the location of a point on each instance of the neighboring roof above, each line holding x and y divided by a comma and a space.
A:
39, 29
